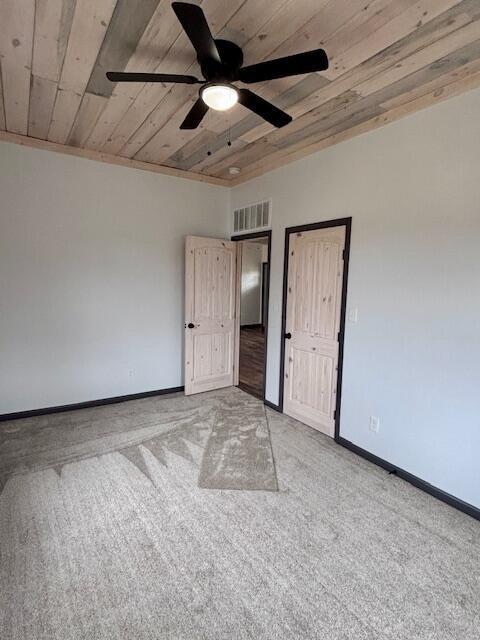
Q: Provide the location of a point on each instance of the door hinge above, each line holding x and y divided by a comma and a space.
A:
343, 254
335, 414
338, 336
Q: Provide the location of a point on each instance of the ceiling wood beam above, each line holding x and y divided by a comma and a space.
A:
17, 18
53, 21
399, 27
42, 100
89, 25
153, 47
387, 59
90, 109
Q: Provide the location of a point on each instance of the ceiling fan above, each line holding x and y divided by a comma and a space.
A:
221, 64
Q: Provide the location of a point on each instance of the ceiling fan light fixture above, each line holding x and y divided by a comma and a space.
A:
219, 97
221, 63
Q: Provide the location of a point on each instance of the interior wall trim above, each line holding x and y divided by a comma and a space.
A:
87, 405
100, 156
467, 508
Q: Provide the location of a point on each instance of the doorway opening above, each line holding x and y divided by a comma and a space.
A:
253, 282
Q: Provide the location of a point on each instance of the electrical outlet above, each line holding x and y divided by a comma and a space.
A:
374, 424
131, 373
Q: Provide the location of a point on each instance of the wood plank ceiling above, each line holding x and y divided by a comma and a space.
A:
387, 58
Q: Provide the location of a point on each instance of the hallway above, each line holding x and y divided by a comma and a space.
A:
252, 353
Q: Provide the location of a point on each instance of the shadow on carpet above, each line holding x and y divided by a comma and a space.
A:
228, 426
238, 454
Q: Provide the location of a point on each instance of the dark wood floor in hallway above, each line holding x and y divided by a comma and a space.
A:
252, 352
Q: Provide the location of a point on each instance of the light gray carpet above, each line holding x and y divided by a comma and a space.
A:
96, 549
238, 454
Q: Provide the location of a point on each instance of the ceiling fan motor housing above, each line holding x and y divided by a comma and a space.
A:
221, 62
231, 57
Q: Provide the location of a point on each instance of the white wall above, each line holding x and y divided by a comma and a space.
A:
91, 281
251, 283
413, 358
91, 276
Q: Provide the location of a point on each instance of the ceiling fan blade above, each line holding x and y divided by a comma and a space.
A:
196, 27
120, 76
261, 107
195, 115
308, 62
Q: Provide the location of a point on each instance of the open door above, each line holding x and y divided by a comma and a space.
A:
210, 289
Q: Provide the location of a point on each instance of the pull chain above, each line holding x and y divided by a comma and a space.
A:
229, 136
209, 116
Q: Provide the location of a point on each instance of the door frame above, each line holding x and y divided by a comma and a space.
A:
265, 279
267, 233
340, 222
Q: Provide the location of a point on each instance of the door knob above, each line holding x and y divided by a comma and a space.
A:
287, 336
191, 325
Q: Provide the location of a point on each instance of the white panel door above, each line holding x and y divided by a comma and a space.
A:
314, 296
210, 281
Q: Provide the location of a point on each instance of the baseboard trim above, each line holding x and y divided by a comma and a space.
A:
87, 405
467, 508
270, 405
